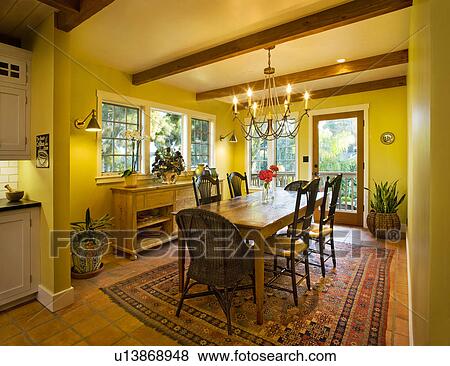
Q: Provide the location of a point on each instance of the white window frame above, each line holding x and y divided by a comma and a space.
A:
146, 106
271, 151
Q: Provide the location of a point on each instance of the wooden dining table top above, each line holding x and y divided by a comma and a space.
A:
251, 212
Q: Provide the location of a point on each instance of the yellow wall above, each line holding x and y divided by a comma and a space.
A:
387, 112
38, 183
429, 153
86, 79
42, 184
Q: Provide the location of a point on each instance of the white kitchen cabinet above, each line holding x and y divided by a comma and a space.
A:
19, 255
14, 103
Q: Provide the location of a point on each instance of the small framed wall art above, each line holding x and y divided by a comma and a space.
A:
43, 151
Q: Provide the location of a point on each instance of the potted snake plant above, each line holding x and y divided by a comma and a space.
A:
89, 243
383, 220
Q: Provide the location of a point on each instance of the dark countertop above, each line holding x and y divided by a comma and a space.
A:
5, 205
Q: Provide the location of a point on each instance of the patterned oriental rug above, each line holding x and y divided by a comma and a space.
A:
348, 307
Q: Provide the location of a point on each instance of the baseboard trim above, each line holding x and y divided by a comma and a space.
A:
410, 312
58, 301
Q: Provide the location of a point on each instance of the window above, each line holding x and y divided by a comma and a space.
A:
166, 129
200, 132
116, 149
263, 153
259, 158
189, 132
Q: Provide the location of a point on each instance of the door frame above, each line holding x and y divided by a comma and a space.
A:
352, 108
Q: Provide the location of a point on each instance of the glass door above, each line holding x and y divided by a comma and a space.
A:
338, 147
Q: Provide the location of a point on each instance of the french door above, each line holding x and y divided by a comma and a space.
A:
338, 148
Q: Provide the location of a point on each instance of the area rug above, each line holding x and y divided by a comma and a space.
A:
348, 307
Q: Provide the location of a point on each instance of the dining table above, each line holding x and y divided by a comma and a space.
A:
256, 220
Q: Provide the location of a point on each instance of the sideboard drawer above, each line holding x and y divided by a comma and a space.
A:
157, 199
185, 193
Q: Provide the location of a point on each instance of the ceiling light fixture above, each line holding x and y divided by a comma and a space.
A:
271, 118
341, 60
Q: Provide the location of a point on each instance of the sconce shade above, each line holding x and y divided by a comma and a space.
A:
93, 125
233, 138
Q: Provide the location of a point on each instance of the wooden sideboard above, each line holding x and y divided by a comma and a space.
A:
143, 216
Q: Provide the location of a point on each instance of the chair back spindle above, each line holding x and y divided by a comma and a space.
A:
235, 180
203, 189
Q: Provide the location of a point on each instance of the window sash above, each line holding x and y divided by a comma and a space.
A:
113, 129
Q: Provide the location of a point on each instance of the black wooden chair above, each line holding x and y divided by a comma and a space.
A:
294, 186
219, 258
295, 245
235, 180
203, 189
322, 232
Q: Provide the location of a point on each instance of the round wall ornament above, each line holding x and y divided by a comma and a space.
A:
387, 138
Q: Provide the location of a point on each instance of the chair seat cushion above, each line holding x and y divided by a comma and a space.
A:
315, 230
281, 245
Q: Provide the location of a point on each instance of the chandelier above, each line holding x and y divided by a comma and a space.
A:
271, 118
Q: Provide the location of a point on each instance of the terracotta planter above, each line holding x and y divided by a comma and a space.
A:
384, 225
131, 181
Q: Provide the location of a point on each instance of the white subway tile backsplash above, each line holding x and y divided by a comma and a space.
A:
13, 178
9, 174
9, 171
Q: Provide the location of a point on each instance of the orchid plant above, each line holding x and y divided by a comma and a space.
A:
136, 138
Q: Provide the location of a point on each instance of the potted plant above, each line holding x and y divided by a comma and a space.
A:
89, 243
131, 175
382, 219
267, 176
168, 165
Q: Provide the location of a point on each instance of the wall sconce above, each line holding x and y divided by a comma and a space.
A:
92, 126
232, 139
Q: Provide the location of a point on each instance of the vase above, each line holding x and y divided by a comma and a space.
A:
199, 170
169, 178
131, 181
213, 172
265, 193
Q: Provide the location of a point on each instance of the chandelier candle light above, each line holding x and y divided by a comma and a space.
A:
272, 118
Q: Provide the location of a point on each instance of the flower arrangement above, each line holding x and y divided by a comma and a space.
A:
167, 161
136, 139
267, 175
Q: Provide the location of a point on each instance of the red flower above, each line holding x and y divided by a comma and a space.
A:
266, 175
274, 168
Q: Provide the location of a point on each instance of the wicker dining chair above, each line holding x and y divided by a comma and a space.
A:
219, 258
235, 180
203, 189
295, 244
325, 228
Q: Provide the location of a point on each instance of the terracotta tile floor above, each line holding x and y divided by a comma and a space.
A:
95, 320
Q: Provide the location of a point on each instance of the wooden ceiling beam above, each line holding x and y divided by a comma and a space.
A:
71, 6
66, 20
364, 64
348, 13
346, 89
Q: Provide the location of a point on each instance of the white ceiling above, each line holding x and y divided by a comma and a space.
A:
16, 16
133, 35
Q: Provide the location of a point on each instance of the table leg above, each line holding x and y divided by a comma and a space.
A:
181, 264
259, 279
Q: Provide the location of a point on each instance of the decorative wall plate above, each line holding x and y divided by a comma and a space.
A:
387, 138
